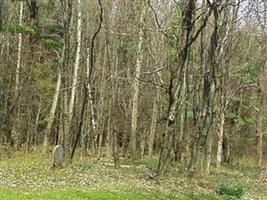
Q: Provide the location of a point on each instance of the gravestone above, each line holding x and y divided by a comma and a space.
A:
58, 156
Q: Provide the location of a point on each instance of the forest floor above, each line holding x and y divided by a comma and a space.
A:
28, 176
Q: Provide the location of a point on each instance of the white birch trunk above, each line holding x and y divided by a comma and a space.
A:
16, 122
19, 52
136, 87
223, 104
90, 95
76, 64
52, 111
220, 140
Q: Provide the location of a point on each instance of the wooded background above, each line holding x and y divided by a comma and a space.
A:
184, 80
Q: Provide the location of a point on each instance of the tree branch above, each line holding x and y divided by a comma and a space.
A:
93, 39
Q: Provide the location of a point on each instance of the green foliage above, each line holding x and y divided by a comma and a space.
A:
247, 78
44, 75
226, 189
24, 28
173, 42
54, 43
236, 98
172, 48
253, 98
190, 114
128, 46
250, 120
21, 28
231, 115
53, 29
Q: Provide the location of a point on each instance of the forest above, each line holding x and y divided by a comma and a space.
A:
133, 99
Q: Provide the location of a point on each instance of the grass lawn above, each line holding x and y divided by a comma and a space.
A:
7, 194
30, 177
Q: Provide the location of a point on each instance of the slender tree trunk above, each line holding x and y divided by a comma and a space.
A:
90, 99
67, 15
16, 122
76, 64
116, 158
153, 124
111, 139
109, 132
51, 117
35, 132
263, 87
181, 139
136, 87
220, 141
223, 56
103, 92
90, 68
208, 152
261, 112
260, 129
19, 52
113, 116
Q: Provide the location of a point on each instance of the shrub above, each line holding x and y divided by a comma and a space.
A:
231, 190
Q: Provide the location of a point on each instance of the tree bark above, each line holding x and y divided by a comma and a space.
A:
174, 96
90, 99
16, 122
220, 141
153, 124
76, 64
19, 52
51, 117
136, 85
67, 15
261, 113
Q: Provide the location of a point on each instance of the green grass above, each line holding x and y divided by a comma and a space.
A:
28, 176
7, 194
151, 163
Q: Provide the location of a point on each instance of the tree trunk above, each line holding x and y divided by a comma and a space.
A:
16, 123
220, 141
113, 134
226, 148
260, 129
153, 124
174, 100
261, 112
93, 114
19, 52
109, 131
51, 117
136, 86
67, 15
35, 131
181, 140
76, 65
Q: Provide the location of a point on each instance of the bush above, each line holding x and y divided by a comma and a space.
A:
230, 190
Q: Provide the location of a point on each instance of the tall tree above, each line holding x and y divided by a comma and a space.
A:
136, 82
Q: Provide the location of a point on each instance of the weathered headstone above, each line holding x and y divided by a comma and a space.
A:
58, 156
